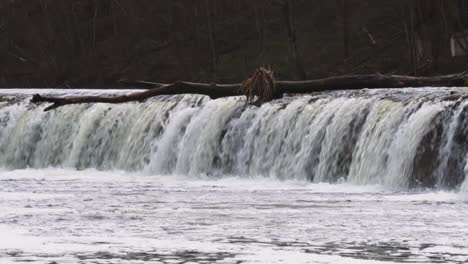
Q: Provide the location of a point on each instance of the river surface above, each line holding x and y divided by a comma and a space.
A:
62, 216
371, 176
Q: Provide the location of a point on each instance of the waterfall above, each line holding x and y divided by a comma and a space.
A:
401, 139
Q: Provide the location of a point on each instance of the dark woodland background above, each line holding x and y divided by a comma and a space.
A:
95, 43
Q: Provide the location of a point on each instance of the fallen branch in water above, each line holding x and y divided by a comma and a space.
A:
261, 85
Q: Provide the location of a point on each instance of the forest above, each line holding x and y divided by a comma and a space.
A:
97, 43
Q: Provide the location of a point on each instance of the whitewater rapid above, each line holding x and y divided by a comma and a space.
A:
399, 139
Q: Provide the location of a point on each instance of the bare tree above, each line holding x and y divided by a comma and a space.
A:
345, 27
289, 16
210, 15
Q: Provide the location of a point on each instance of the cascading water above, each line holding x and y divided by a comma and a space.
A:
404, 138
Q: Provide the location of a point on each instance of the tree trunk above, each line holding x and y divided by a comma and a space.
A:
210, 15
345, 29
288, 12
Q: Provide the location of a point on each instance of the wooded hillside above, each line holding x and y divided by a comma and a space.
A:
94, 43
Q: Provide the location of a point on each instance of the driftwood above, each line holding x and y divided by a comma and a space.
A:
277, 88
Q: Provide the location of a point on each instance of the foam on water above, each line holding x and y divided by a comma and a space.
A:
69, 216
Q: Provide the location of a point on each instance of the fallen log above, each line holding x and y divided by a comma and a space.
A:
212, 90
139, 84
347, 82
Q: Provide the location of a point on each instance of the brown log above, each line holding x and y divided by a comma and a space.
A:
372, 81
212, 90
139, 84
347, 82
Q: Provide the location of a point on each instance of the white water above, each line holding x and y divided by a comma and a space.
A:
342, 177
116, 217
361, 137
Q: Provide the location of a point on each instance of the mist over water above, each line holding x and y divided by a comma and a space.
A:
398, 139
